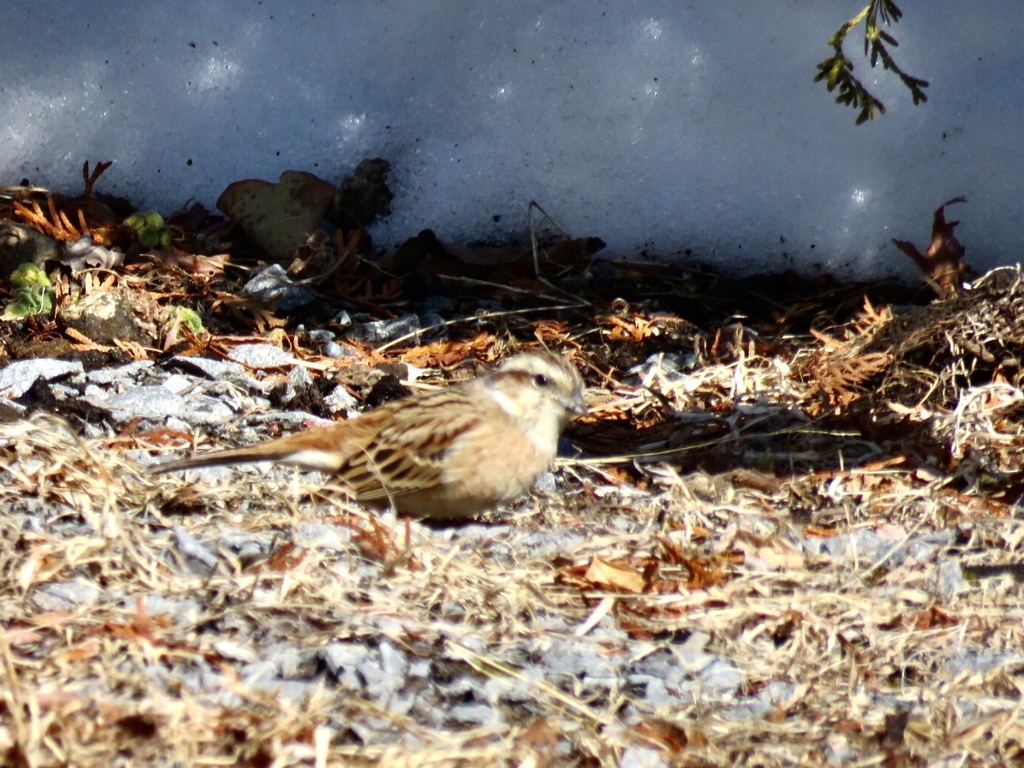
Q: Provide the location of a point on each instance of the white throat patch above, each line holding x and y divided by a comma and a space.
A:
506, 403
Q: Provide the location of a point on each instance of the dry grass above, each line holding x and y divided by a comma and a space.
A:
867, 607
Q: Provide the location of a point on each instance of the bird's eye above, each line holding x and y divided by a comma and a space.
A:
541, 380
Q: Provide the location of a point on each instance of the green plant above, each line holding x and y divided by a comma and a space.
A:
33, 293
837, 70
150, 229
185, 317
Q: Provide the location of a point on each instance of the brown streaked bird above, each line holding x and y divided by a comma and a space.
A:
448, 454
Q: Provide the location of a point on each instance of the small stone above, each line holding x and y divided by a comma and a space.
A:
105, 318
147, 402
636, 756
261, 356
18, 377
381, 331
213, 369
434, 326
297, 384
273, 286
65, 595
340, 400
197, 557
235, 651
177, 384
319, 536
336, 350
21, 244
474, 714
951, 579
110, 375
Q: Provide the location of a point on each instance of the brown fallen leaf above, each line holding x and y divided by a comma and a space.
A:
943, 264
192, 263
615, 578
278, 217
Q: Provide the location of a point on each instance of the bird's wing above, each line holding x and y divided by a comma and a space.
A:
402, 452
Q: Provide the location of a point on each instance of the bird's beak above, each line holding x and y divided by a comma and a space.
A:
577, 405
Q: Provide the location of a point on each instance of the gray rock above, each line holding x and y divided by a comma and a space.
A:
229, 649
11, 411
381, 331
393, 662
157, 402
214, 369
546, 484
66, 595
178, 384
246, 547
297, 384
273, 286
287, 659
197, 557
434, 326
320, 536
474, 714
258, 672
182, 611
864, 545
951, 579
720, 677
110, 375
18, 377
294, 419
260, 356
637, 756
420, 669
343, 661
980, 660
927, 547
656, 692
576, 660
335, 350
21, 244
105, 318
340, 400
672, 367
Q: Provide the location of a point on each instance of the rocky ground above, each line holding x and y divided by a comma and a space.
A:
787, 532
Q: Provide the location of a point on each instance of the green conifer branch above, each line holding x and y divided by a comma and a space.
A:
837, 69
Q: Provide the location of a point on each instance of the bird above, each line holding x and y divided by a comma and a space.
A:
449, 454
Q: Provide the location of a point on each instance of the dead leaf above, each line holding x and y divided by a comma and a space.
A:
286, 558
85, 254
192, 263
89, 649
449, 352
278, 217
943, 265
615, 578
663, 733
